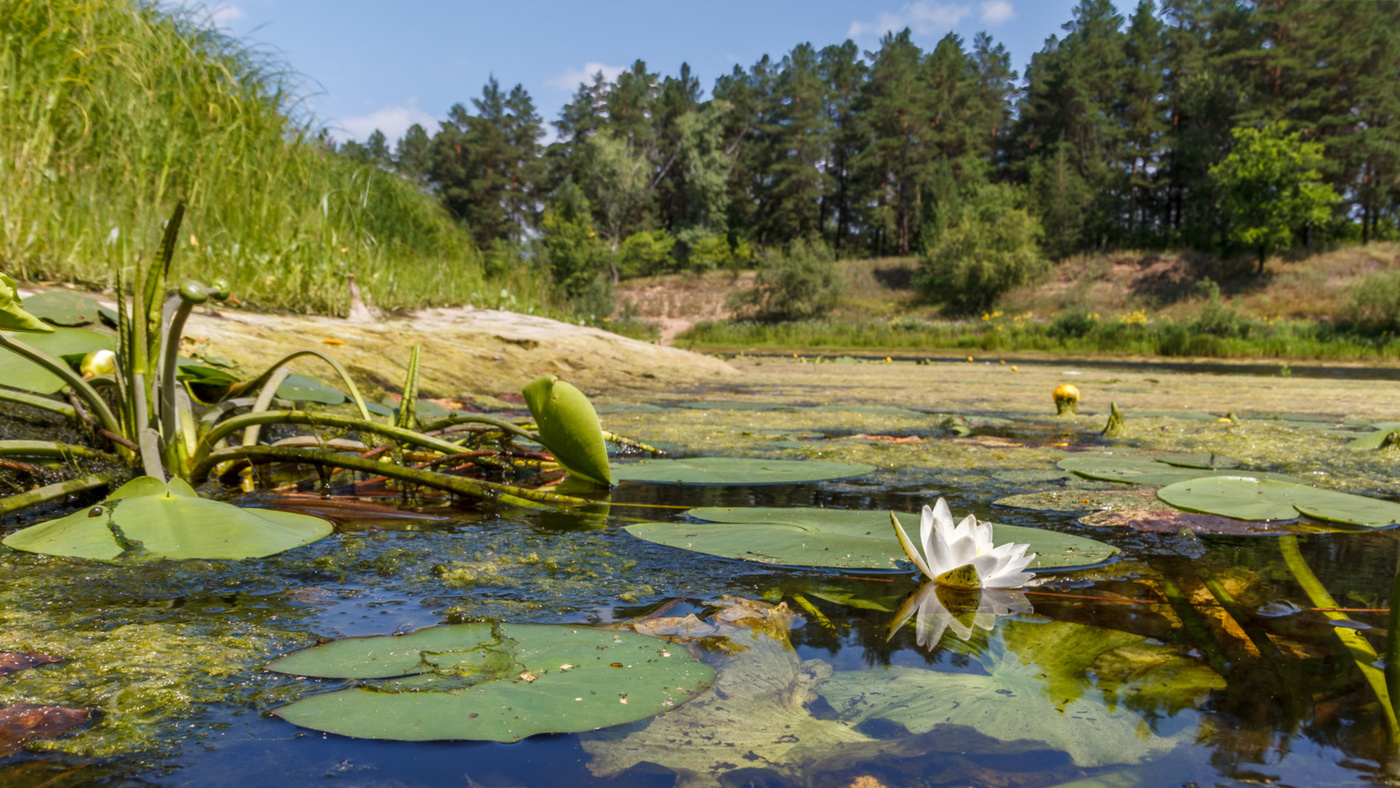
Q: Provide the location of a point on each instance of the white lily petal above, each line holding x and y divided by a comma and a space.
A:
909, 548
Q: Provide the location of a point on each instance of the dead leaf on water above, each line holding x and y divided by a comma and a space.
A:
13, 661
22, 722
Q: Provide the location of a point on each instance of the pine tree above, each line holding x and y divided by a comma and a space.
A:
796, 138
895, 163
843, 74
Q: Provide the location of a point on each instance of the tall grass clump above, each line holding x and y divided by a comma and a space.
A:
112, 110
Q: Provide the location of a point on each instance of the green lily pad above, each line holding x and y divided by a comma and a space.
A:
715, 404
205, 384
1250, 498
300, 388
1139, 470
63, 308
1078, 688
569, 428
148, 517
868, 410
1179, 415
20, 373
1206, 461
841, 538
492, 682
735, 471
1370, 441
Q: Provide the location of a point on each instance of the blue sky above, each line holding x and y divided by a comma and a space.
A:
389, 65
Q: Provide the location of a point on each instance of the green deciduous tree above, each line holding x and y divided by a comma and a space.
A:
988, 250
1270, 187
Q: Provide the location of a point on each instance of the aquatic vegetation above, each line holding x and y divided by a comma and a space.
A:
492, 682
932, 616
1066, 399
838, 538
149, 518
963, 556
1250, 498
734, 470
13, 317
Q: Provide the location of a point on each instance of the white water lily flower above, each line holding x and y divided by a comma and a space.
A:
964, 556
934, 617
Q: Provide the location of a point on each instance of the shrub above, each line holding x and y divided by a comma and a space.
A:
987, 251
645, 253
801, 283
1217, 318
571, 247
1073, 323
1375, 303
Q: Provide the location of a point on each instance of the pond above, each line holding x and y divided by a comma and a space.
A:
1188, 657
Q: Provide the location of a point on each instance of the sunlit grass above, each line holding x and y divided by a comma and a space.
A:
111, 110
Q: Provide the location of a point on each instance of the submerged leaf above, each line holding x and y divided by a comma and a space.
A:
735, 471
14, 661
1061, 684
1172, 521
840, 538
492, 682
569, 428
21, 722
147, 517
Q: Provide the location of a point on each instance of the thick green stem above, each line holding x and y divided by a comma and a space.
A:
42, 403
52, 492
478, 418
1361, 651
206, 444
339, 370
60, 451
474, 488
62, 370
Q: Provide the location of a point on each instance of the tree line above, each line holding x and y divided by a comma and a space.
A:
1118, 135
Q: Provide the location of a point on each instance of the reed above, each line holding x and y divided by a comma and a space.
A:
112, 110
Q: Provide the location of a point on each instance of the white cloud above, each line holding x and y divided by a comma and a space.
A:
923, 17
570, 79
996, 12
224, 13
393, 121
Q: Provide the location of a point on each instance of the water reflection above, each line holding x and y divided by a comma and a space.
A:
936, 609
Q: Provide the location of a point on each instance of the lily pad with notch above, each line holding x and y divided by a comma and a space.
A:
841, 538
735, 471
492, 682
1140, 470
1251, 498
147, 517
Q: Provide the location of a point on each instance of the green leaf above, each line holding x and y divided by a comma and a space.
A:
1250, 498
488, 682
1139, 470
12, 314
63, 308
148, 517
569, 428
735, 471
20, 373
1062, 684
841, 538
300, 388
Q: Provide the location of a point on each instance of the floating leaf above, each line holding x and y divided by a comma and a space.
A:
300, 388
1140, 470
14, 661
20, 373
1201, 460
1371, 440
148, 517
63, 308
1059, 683
840, 538
1251, 498
569, 428
1179, 415
492, 682
733, 405
735, 471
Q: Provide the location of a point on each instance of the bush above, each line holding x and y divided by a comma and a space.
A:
1217, 318
798, 284
1375, 303
645, 253
571, 247
1073, 323
990, 249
